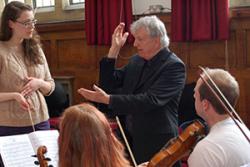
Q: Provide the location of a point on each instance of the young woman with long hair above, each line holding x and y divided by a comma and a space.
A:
24, 73
86, 139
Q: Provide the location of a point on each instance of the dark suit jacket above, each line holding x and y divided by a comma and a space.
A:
151, 98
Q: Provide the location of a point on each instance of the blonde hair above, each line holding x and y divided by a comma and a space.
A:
86, 139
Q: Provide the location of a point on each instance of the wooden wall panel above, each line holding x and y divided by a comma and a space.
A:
74, 54
240, 44
245, 99
243, 78
69, 55
248, 48
181, 49
47, 51
232, 55
211, 54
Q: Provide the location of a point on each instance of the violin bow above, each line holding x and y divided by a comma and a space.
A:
117, 118
222, 95
126, 141
225, 100
31, 120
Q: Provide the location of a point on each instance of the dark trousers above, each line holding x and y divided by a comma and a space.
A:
8, 130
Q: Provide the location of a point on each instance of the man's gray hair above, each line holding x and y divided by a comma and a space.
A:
154, 26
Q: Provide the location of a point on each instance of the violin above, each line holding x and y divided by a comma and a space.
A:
179, 147
40, 155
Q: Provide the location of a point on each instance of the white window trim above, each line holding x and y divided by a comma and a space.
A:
74, 7
45, 9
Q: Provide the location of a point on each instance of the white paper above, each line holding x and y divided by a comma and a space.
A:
19, 150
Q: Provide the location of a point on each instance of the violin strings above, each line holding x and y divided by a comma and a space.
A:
126, 141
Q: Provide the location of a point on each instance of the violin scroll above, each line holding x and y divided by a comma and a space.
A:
40, 155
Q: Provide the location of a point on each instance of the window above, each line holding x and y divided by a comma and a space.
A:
8, 1
239, 3
73, 4
76, 1
43, 3
54, 10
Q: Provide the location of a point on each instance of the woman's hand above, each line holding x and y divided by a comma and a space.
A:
21, 100
32, 85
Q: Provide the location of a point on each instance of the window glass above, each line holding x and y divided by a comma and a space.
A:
7, 1
44, 3
239, 3
76, 1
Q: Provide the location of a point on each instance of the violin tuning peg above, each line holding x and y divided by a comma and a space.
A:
36, 163
47, 159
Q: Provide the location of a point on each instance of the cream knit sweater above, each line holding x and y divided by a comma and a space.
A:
13, 73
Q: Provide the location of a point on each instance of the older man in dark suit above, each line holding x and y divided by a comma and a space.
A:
148, 88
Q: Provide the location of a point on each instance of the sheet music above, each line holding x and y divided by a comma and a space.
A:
17, 150
50, 140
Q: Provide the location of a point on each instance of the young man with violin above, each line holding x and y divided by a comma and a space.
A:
226, 145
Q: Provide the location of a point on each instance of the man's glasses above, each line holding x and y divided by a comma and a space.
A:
28, 24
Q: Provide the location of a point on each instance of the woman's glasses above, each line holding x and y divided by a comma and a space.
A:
28, 24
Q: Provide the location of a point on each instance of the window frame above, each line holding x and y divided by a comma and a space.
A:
73, 6
43, 7
7, 1
72, 3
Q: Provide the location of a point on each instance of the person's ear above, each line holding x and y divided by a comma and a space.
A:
205, 104
11, 23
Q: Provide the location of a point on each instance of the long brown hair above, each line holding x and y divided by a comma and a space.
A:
86, 139
12, 11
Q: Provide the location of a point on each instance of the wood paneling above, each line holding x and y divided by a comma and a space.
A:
69, 55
